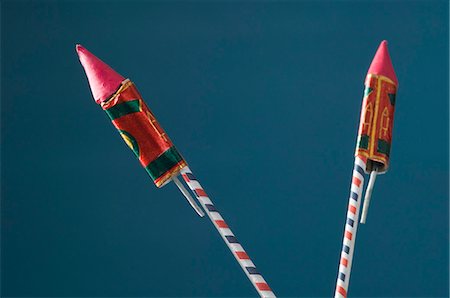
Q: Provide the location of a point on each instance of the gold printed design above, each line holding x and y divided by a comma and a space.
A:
154, 123
374, 128
127, 140
112, 100
384, 125
368, 116
161, 181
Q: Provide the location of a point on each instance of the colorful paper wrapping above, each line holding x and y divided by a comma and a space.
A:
377, 112
120, 99
143, 134
372, 152
377, 117
139, 129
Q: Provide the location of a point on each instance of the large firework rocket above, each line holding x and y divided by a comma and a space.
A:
372, 152
140, 130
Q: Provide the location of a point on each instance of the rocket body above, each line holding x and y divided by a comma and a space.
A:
140, 130
377, 113
376, 123
371, 155
143, 134
138, 127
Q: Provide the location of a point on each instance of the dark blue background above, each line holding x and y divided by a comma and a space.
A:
263, 100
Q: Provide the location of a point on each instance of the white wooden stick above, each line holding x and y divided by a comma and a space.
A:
188, 197
368, 196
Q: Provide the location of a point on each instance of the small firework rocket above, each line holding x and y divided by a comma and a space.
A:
372, 152
138, 127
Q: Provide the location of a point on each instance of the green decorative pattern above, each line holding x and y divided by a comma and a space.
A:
363, 142
392, 98
130, 141
123, 109
383, 147
163, 163
367, 91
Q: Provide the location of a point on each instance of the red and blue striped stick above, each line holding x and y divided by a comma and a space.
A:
143, 134
351, 226
372, 152
230, 239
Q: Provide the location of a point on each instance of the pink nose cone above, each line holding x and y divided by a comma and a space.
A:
103, 80
382, 64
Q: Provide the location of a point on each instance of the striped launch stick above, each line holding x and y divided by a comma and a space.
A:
351, 226
372, 152
140, 130
227, 235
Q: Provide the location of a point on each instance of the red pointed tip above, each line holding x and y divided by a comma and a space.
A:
382, 64
103, 80
79, 48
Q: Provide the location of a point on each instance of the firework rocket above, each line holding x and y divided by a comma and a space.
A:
138, 127
372, 152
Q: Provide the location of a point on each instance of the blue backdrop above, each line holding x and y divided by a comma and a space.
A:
263, 101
